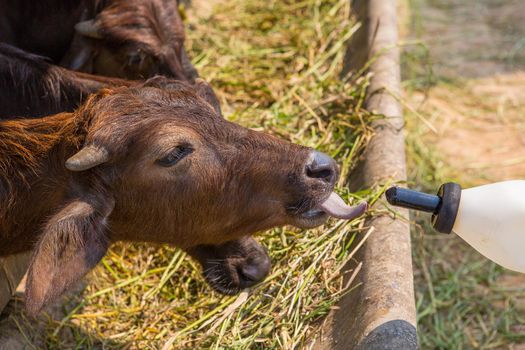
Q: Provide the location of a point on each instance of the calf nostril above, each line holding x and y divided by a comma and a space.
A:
321, 166
319, 174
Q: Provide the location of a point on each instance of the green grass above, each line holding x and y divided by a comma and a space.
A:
276, 66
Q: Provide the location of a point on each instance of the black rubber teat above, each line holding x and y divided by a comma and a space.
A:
444, 206
411, 199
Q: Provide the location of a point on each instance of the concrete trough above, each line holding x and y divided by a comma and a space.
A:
380, 313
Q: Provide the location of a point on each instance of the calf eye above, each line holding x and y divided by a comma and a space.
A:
174, 156
134, 58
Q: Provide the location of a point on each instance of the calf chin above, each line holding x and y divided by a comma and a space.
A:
233, 266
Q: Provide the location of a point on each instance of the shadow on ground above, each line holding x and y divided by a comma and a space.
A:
52, 329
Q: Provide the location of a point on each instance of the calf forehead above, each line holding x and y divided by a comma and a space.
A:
194, 131
157, 112
146, 103
150, 118
170, 95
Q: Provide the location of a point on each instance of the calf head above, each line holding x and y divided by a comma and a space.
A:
159, 164
133, 39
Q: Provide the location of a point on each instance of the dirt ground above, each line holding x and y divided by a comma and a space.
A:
464, 73
480, 126
477, 54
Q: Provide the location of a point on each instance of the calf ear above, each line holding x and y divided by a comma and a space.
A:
205, 91
73, 242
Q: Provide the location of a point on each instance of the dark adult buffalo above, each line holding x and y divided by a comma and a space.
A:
153, 163
132, 39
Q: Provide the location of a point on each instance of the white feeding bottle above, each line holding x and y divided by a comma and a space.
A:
491, 218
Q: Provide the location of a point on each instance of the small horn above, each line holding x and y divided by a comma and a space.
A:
89, 28
87, 158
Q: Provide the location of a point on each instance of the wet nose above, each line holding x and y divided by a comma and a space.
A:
321, 166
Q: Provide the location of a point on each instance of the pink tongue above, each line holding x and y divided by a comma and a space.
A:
335, 206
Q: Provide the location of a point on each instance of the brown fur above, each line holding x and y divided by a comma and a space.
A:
234, 183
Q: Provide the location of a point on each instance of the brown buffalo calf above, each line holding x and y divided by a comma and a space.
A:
153, 163
31, 88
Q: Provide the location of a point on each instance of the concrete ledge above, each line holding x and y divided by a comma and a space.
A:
380, 313
392, 335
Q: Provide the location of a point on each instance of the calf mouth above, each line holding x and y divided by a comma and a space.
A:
332, 206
